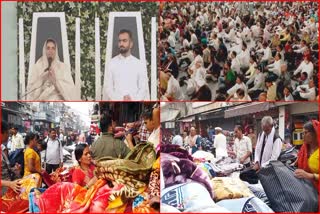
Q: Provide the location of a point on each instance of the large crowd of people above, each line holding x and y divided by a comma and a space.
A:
103, 175
238, 51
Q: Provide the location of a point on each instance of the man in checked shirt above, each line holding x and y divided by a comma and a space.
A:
143, 135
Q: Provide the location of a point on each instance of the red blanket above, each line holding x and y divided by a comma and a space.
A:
17, 206
68, 197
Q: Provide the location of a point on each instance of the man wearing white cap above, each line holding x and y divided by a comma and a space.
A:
177, 140
220, 143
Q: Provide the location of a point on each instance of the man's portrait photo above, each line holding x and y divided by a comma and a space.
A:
126, 75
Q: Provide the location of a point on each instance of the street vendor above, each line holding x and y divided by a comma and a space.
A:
107, 145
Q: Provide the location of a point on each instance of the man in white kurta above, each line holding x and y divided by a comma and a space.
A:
220, 143
126, 76
173, 89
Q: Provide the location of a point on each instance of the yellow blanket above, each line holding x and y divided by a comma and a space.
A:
229, 188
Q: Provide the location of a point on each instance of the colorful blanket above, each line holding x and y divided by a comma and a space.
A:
26, 184
67, 197
17, 203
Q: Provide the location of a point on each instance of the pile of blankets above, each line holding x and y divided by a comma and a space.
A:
124, 185
196, 184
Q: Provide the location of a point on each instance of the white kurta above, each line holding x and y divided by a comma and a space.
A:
154, 137
126, 76
233, 90
271, 151
242, 147
220, 143
174, 90
258, 81
199, 76
304, 67
275, 68
235, 65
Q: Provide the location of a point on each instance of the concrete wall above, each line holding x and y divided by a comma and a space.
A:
9, 50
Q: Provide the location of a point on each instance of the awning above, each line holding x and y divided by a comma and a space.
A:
11, 110
187, 119
249, 108
217, 113
169, 115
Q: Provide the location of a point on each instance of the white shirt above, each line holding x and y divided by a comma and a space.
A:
192, 9
267, 54
231, 35
177, 140
238, 20
275, 67
185, 43
199, 76
252, 70
192, 66
258, 81
246, 98
172, 40
174, 90
201, 19
235, 65
215, 43
233, 90
9, 145
244, 58
288, 98
310, 93
194, 39
246, 34
220, 143
17, 142
271, 150
282, 55
206, 18
266, 35
188, 55
126, 76
154, 137
255, 30
242, 147
177, 34
54, 153
304, 67
300, 50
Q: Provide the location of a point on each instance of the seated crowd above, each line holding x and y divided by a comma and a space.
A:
223, 52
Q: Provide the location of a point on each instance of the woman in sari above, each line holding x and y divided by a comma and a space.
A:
32, 163
78, 195
83, 174
308, 156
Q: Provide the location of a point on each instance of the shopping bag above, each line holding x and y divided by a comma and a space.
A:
249, 175
286, 192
